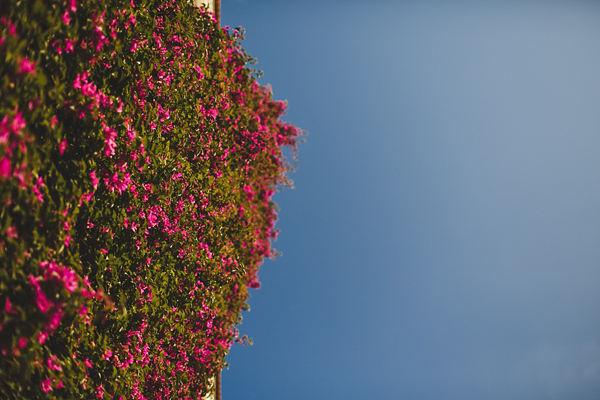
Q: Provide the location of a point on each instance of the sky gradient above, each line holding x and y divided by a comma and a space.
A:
443, 239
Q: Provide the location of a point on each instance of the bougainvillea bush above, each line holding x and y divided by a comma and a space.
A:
138, 158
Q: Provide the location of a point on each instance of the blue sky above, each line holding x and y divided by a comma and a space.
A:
443, 239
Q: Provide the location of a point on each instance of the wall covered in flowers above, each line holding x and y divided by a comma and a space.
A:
138, 159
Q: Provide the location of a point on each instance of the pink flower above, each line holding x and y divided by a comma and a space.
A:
212, 113
152, 219
39, 183
53, 364
109, 145
107, 355
134, 46
18, 123
41, 299
94, 180
82, 310
5, 167
254, 285
47, 385
69, 45
27, 67
87, 363
11, 232
22, 342
42, 336
54, 321
56, 44
62, 147
68, 240
65, 17
8, 305
100, 392
62, 273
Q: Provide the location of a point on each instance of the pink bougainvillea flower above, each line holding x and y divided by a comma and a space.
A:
54, 320
42, 336
27, 67
62, 273
62, 147
4, 130
87, 363
11, 232
18, 123
22, 342
100, 392
69, 45
82, 311
53, 364
254, 285
66, 18
41, 300
47, 385
8, 305
212, 113
95, 180
109, 144
56, 46
39, 183
5, 168
152, 219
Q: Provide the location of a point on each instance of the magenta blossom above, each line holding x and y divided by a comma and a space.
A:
27, 67
66, 18
53, 364
5, 167
42, 301
47, 385
54, 320
62, 147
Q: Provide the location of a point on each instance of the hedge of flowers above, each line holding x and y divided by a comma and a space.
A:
138, 158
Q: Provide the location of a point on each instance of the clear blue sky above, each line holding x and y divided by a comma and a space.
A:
443, 239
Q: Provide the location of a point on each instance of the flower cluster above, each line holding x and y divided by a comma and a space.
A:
138, 160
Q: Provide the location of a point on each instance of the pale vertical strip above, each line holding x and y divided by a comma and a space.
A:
213, 392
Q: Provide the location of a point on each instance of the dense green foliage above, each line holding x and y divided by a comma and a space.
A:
138, 157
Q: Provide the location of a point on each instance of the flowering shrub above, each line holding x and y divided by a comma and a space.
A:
138, 158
